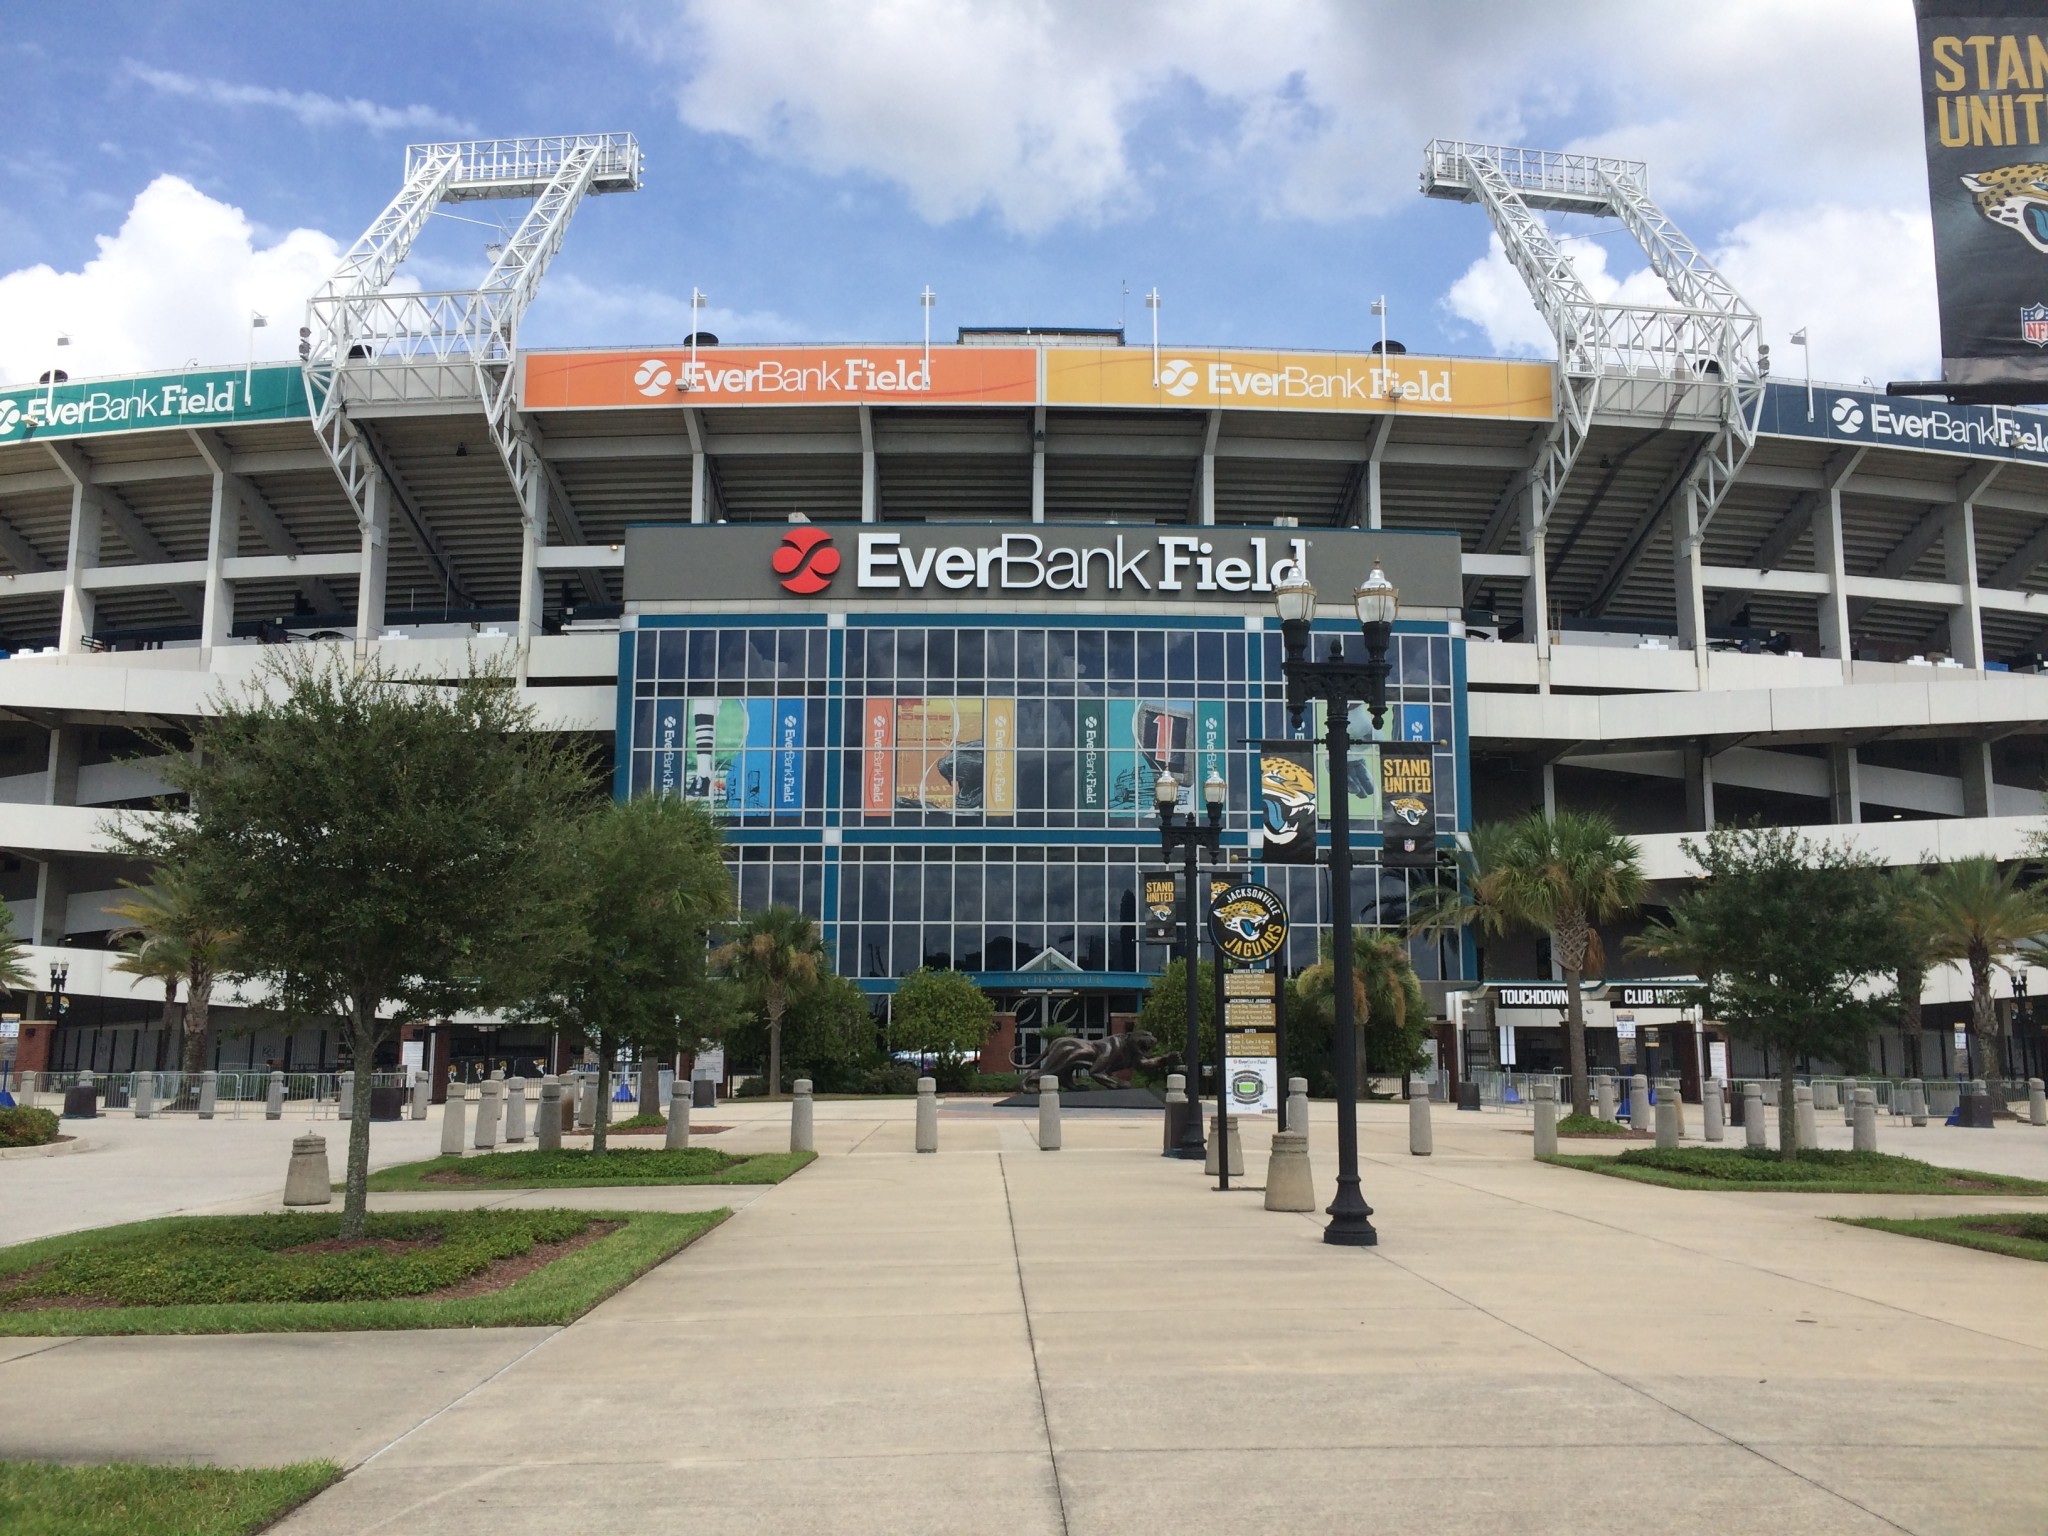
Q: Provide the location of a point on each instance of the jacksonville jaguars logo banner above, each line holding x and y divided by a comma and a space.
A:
1287, 788
1248, 921
1984, 98
1407, 809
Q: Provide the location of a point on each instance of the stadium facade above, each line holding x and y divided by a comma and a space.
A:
924, 623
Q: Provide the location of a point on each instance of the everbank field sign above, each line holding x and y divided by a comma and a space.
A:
1090, 376
836, 565
212, 397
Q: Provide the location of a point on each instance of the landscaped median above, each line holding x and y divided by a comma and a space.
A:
575, 1169
294, 1274
2017, 1234
1814, 1172
39, 1498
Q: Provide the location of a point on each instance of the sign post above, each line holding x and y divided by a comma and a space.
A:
1248, 926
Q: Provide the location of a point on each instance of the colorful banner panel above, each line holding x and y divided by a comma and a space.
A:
1123, 745
1287, 792
880, 375
1408, 791
1364, 764
211, 397
939, 755
738, 756
1298, 381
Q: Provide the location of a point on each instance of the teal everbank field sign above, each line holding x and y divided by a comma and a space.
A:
212, 397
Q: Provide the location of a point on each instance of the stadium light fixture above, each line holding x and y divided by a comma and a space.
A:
50, 400
698, 299
1799, 341
925, 301
1379, 309
257, 321
1152, 303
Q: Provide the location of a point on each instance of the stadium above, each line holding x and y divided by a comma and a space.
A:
926, 621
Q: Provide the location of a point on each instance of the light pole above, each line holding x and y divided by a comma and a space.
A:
257, 322
1799, 341
1340, 682
1190, 836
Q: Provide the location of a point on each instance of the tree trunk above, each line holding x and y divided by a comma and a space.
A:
355, 1200
650, 1083
601, 1111
1788, 1113
1985, 1061
198, 1020
1575, 1043
775, 1007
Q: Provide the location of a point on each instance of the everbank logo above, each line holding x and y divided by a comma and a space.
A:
10, 417
1339, 381
805, 560
1848, 414
898, 374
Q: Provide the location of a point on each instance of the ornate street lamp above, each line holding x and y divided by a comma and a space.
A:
1341, 682
1190, 836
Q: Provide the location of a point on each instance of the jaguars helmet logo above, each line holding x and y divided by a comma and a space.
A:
1288, 790
2017, 197
1408, 809
1248, 922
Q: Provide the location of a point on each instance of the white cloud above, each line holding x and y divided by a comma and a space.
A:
178, 281
310, 107
569, 311
1860, 280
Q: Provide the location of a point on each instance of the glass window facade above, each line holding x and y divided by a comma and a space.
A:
973, 791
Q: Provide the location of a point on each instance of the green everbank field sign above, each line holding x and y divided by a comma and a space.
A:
212, 397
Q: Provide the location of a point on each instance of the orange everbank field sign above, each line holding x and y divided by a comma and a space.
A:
558, 381
1298, 381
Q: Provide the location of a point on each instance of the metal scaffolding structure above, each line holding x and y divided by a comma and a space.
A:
1697, 361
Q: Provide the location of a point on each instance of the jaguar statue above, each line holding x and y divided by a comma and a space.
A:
1069, 1058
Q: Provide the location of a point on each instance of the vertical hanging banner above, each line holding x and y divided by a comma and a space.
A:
878, 762
999, 757
1408, 815
1287, 794
789, 755
1983, 72
1160, 897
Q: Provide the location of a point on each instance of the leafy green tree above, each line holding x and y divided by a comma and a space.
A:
1164, 1013
1471, 897
386, 848
1972, 912
1387, 1006
634, 967
827, 1032
775, 956
176, 942
1564, 875
1788, 934
941, 1014
1914, 955
14, 975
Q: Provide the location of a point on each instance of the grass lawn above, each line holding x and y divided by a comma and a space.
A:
573, 1168
120, 1498
2020, 1234
1814, 1172
289, 1274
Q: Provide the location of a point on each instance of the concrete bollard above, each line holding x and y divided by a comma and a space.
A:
1667, 1120
1639, 1102
1290, 1182
1048, 1114
2037, 1102
1603, 1098
422, 1095
1236, 1147
1421, 1132
1546, 1119
1297, 1108
802, 1137
1864, 1131
1916, 1100
586, 1100
678, 1122
142, 1095
487, 1126
1176, 1111
1849, 1092
209, 1094
273, 1102
547, 1130
1770, 1092
453, 1115
515, 1109
345, 1103
927, 1114
1752, 1114
1802, 1117
1710, 1107
306, 1181
1667, 1088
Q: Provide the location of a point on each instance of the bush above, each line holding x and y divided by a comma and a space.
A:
27, 1127
1761, 1165
894, 1078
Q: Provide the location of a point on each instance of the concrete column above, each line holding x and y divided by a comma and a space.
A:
1977, 780
1382, 430
1205, 488
454, 1116
487, 1106
1176, 1107
88, 518
2037, 1102
1421, 1133
927, 1114
700, 471
1639, 1102
1688, 590
1667, 1118
1802, 1117
1864, 1120
1216, 1139
1848, 1096
1959, 557
1603, 1097
678, 1135
1290, 1182
533, 538
345, 1100
1536, 586
273, 1103
1699, 788
802, 1137
1830, 561
870, 483
1297, 1108
515, 1109
1845, 785
223, 543
422, 1095
1667, 1088
1710, 1107
307, 1180
1546, 1119
1038, 464
1048, 1114
209, 1094
1916, 1100
54, 874
548, 1130
588, 1086
1752, 1114
375, 529
142, 1095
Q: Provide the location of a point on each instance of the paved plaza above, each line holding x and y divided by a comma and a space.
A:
1094, 1340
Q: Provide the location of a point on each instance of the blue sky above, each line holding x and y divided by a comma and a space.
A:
813, 165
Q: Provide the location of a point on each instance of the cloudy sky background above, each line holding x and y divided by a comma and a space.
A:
812, 165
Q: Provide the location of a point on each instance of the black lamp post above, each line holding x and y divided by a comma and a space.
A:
1190, 836
1340, 682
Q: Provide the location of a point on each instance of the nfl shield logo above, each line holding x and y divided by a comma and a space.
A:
2034, 324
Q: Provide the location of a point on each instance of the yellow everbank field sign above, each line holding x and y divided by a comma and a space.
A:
1298, 381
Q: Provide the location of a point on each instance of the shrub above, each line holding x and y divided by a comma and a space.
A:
23, 1127
894, 1077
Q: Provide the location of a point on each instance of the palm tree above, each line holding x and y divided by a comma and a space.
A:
1470, 900
1564, 875
1385, 994
1916, 956
175, 942
14, 973
1977, 915
775, 954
